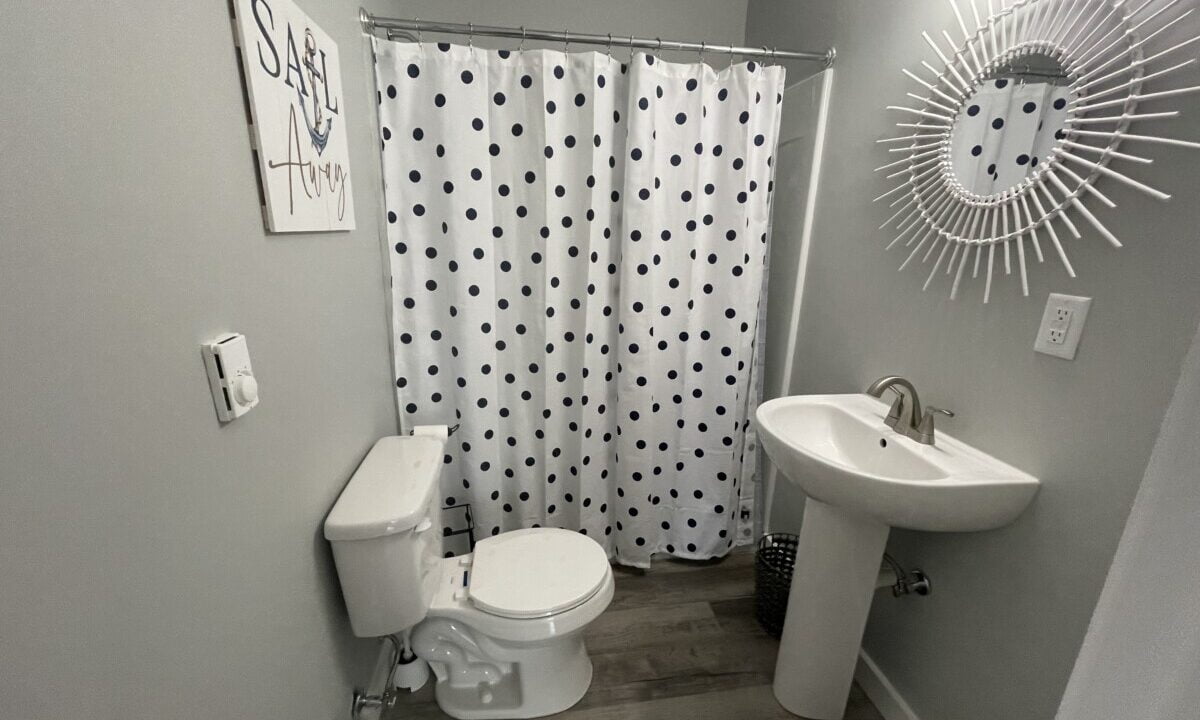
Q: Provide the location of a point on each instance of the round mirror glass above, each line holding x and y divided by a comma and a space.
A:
1009, 124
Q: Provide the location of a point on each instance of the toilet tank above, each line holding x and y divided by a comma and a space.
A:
386, 533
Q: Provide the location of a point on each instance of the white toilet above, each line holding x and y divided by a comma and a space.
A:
502, 627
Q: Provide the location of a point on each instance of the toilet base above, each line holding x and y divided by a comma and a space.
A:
492, 667
519, 681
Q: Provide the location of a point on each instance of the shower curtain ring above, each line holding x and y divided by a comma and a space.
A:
566, 41
773, 60
630, 48
659, 49
471, 37
521, 45
730, 56
701, 53
609, 51
419, 36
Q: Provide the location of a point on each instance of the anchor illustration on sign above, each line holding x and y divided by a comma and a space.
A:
318, 134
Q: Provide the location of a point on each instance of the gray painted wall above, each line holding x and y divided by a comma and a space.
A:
155, 563
716, 21
998, 637
1139, 656
152, 562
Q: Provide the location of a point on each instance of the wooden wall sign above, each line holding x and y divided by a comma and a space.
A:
294, 84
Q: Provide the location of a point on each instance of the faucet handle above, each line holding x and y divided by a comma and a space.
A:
925, 429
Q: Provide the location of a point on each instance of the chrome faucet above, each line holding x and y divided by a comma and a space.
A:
906, 417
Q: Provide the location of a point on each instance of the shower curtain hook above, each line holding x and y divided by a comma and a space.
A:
659, 49
521, 45
419, 36
609, 51
730, 56
630, 48
773, 60
471, 37
701, 53
566, 41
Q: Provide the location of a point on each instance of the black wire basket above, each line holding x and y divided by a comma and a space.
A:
773, 564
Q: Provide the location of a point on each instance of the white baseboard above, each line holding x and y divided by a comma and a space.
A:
880, 690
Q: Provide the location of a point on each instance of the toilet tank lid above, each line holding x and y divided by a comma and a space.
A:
389, 491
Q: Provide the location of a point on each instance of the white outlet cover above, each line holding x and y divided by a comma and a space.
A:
1077, 308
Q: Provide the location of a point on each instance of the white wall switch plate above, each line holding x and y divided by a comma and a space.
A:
1062, 324
230, 377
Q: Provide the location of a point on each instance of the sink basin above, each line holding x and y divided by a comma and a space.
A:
863, 478
838, 450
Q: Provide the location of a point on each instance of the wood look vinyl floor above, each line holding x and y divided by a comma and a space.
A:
678, 642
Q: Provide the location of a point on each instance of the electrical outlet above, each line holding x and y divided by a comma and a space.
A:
1062, 324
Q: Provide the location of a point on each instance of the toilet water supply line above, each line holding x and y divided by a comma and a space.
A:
401, 653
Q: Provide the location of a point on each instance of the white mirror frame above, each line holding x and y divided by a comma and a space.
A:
1100, 45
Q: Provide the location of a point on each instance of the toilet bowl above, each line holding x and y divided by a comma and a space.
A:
502, 627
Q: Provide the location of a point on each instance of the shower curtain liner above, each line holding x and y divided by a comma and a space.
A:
577, 251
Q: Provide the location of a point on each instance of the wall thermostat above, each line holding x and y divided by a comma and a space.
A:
234, 388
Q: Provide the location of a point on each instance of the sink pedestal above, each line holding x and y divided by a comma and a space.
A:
833, 583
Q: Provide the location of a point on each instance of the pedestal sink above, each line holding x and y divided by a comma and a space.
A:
862, 479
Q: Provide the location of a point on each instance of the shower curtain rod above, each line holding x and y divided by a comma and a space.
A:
370, 23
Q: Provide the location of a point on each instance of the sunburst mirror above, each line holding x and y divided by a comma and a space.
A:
1023, 108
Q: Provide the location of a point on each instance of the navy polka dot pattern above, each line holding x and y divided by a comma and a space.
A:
577, 255
1004, 132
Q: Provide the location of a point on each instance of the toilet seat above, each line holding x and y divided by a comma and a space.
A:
536, 572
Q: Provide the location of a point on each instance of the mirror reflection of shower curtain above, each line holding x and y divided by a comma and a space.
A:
1002, 134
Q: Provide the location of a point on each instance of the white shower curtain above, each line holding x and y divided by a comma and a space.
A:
577, 260
1006, 130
